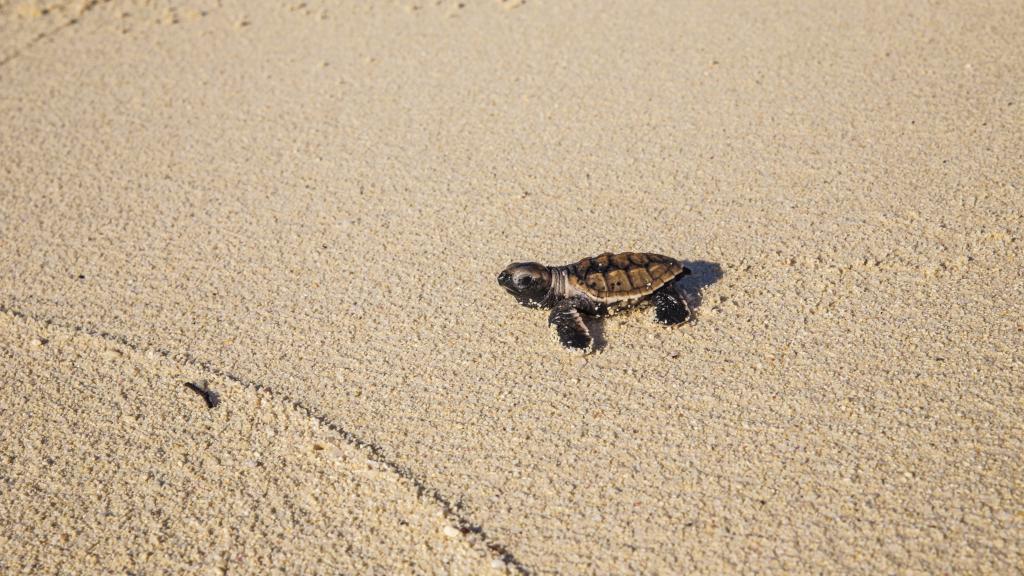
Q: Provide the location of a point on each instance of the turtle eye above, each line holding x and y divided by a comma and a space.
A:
525, 281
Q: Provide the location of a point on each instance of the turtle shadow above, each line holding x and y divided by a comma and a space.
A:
595, 325
692, 286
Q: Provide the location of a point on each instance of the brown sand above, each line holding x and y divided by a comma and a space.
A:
305, 203
111, 464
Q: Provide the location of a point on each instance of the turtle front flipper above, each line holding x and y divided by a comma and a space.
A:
572, 331
669, 306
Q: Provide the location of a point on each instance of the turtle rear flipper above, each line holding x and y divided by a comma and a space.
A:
572, 331
669, 307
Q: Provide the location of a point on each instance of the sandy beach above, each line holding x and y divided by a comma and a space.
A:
302, 207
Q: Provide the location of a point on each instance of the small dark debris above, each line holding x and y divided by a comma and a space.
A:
81, 276
203, 389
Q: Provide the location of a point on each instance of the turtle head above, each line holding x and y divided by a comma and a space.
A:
527, 281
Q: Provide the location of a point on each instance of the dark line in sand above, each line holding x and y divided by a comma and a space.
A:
51, 32
375, 452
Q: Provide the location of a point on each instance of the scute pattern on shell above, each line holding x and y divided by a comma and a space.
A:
626, 275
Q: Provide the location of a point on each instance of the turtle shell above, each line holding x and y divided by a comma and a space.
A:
629, 275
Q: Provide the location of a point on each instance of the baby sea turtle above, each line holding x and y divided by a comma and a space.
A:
598, 286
